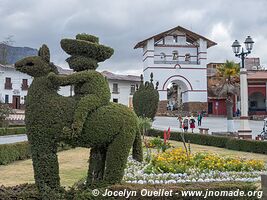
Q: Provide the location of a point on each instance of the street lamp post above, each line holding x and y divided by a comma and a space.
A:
244, 131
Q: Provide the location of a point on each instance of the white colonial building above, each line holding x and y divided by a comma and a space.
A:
122, 87
177, 57
14, 86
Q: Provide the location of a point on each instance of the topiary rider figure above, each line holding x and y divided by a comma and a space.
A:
84, 61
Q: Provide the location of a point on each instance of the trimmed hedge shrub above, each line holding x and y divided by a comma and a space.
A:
20, 151
12, 131
13, 152
146, 99
253, 146
29, 191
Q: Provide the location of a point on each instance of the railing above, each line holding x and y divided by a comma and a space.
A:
8, 86
115, 91
176, 62
24, 87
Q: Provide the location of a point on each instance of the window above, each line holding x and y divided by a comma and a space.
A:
132, 89
115, 88
162, 56
187, 57
8, 84
24, 85
175, 38
175, 55
6, 99
115, 100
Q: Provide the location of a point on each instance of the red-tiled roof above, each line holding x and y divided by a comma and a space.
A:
193, 36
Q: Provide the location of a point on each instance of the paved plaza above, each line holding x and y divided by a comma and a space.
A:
215, 124
12, 138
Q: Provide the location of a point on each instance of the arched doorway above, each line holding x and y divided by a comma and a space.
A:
257, 102
176, 94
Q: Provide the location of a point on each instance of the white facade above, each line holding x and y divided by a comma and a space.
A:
122, 87
14, 92
177, 56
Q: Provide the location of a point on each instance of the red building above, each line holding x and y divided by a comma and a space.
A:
257, 86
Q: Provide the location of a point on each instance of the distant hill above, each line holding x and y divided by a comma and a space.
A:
10, 54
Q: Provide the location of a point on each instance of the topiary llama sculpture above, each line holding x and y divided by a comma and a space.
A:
146, 98
45, 115
109, 129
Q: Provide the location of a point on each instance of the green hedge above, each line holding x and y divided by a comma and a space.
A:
253, 146
20, 151
29, 191
12, 131
13, 152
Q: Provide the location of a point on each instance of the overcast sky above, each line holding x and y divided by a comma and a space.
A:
122, 23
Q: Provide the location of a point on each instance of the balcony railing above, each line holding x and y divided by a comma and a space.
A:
8, 86
175, 62
24, 86
115, 91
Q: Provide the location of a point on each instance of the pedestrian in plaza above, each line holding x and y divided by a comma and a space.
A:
199, 119
192, 123
180, 121
185, 124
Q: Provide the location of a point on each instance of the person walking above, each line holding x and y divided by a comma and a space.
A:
199, 119
180, 120
185, 124
192, 123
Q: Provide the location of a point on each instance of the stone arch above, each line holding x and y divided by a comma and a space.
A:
177, 78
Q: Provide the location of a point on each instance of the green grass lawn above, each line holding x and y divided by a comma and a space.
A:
74, 164
73, 167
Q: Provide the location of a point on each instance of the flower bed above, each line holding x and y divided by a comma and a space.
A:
177, 161
175, 166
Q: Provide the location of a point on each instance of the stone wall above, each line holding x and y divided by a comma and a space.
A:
190, 107
162, 108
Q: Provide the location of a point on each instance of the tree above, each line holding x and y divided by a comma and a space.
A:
4, 49
5, 111
229, 72
146, 98
144, 125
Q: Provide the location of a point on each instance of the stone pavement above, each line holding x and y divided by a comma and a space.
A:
12, 139
215, 124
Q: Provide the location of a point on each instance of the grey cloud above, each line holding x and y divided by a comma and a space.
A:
121, 24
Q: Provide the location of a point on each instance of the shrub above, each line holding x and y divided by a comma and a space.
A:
145, 99
20, 151
5, 110
12, 131
29, 191
217, 141
144, 124
13, 152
